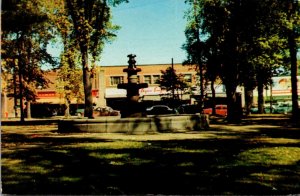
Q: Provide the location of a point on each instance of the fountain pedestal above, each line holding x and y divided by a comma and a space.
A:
132, 107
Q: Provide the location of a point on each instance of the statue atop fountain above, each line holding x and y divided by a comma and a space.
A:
132, 108
131, 61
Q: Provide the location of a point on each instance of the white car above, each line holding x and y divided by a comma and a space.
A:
160, 109
106, 111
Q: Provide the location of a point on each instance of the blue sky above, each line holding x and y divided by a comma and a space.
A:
151, 29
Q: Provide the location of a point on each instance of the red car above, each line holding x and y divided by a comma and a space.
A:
221, 110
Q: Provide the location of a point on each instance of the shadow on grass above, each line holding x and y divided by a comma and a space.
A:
264, 161
284, 120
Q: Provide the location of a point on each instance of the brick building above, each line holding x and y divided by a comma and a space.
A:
104, 88
150, 74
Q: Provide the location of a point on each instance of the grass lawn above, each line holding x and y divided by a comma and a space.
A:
226, 159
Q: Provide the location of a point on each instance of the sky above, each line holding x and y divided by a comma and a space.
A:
153, 30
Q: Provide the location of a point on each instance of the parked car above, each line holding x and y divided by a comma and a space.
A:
160, 109
267, 109
99, 111
79, 112
105, 111
221, 110
189, 109
284, 108
254, 110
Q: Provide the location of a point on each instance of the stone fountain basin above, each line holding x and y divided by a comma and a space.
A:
144, 125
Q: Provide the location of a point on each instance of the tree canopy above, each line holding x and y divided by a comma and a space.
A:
28, 27
242, 41
91, 27
25, 36
173, 83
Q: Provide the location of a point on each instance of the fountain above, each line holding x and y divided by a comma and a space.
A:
133, 116
132, 108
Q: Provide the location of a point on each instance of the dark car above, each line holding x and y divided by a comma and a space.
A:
189, 109
160, 109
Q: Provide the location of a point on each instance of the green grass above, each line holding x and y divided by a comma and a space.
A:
257, 159
271, 156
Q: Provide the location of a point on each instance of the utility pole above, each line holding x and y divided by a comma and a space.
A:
173, 81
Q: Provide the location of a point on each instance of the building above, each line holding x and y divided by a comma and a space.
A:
106, 93
150, 74
104, 88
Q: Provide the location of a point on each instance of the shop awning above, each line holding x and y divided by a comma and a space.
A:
115, 93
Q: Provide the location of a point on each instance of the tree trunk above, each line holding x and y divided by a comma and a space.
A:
28, 109
15, 89
294, 71
293, 57
248, 99
231, 103
21, 94
87, 85
67, 110
260, 90
213, 97
201, 80
21, 66
231, 79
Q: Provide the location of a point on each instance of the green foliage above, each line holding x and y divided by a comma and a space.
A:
25, 35
92, 25
172, 81
83, 26
90, 28
239, 40
69, 81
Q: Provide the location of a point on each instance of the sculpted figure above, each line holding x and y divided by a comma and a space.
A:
131, 61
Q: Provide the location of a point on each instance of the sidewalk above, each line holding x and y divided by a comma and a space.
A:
39, 121
31, 121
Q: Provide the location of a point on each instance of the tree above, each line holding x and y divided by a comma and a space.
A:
69, 81
267, 47
173, 83
204, 52
194, 45
293, 34
91, 28
25, 36
223, 29
245, 37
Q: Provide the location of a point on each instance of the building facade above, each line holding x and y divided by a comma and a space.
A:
104, 88
106, 93
150, 74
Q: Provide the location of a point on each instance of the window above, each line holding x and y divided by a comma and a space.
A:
115, 80
138, 79
188, 77
156, 79
147, 79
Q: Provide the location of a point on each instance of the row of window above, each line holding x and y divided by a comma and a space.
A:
150, 79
